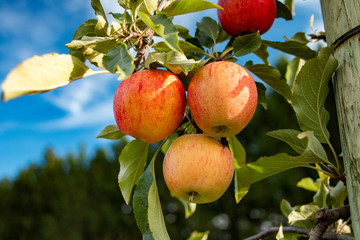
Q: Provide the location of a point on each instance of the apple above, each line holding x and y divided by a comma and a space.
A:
198, 168
149, 105
240, 17
222, 98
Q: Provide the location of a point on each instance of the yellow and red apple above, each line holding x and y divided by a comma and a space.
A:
149, 105
222, 98
240, 17
198, 168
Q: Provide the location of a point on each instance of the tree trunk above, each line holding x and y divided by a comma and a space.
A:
340, 16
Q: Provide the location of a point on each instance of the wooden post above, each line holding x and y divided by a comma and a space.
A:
340, 16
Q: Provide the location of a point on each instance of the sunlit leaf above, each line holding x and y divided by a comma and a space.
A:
174, 61
43, 73
187, 47
293, 47
178, 7
310, 92
321, 196
246, 44
85, 29
308, 184
151, 5
290, 136
280, 234
242, 176
188, 207
303, 216
290, 5
102, 25
199, 235
271, 76
164, 28
118, 59
132, 163
111, 132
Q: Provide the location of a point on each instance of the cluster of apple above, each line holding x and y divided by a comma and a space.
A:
222, 98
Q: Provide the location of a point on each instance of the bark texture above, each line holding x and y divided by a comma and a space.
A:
340, 16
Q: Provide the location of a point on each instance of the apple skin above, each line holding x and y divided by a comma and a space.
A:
222, 98
241, 17
198, 168
149, 105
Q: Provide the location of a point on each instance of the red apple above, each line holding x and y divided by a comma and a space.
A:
149, 105
222, 98
198, 168
241, 17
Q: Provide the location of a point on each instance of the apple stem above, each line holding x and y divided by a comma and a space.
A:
192, 196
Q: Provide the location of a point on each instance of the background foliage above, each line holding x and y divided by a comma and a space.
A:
78, 198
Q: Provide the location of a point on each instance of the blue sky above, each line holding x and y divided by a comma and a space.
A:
72, 116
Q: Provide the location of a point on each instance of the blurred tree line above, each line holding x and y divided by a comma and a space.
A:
77, 198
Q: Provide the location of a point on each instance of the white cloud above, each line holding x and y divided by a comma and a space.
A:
85, 102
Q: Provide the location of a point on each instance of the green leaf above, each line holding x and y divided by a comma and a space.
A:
179, 7
321, 196
267, 166
111, 132
314, 151
261, 89
303, 216
94, 48
199, 235
164, 28
292, 70
189, 208
280, 234
207, 31
282, 11
132, 5
43, 73
299, 37
174, 61
102, 25
183, 32
292, 47
242, 175
272, 77
285, 207
85, 29
186, 46
263, 53
310, 92
308, 184
290, 5
338, 195
118, 59
140, 200
132, 163
155, 215
290, 136
151, 5
246, 44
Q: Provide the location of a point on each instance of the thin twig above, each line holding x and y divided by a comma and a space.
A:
301, 231
326, 217
145, 40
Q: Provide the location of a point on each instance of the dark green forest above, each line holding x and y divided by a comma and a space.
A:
78, 198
